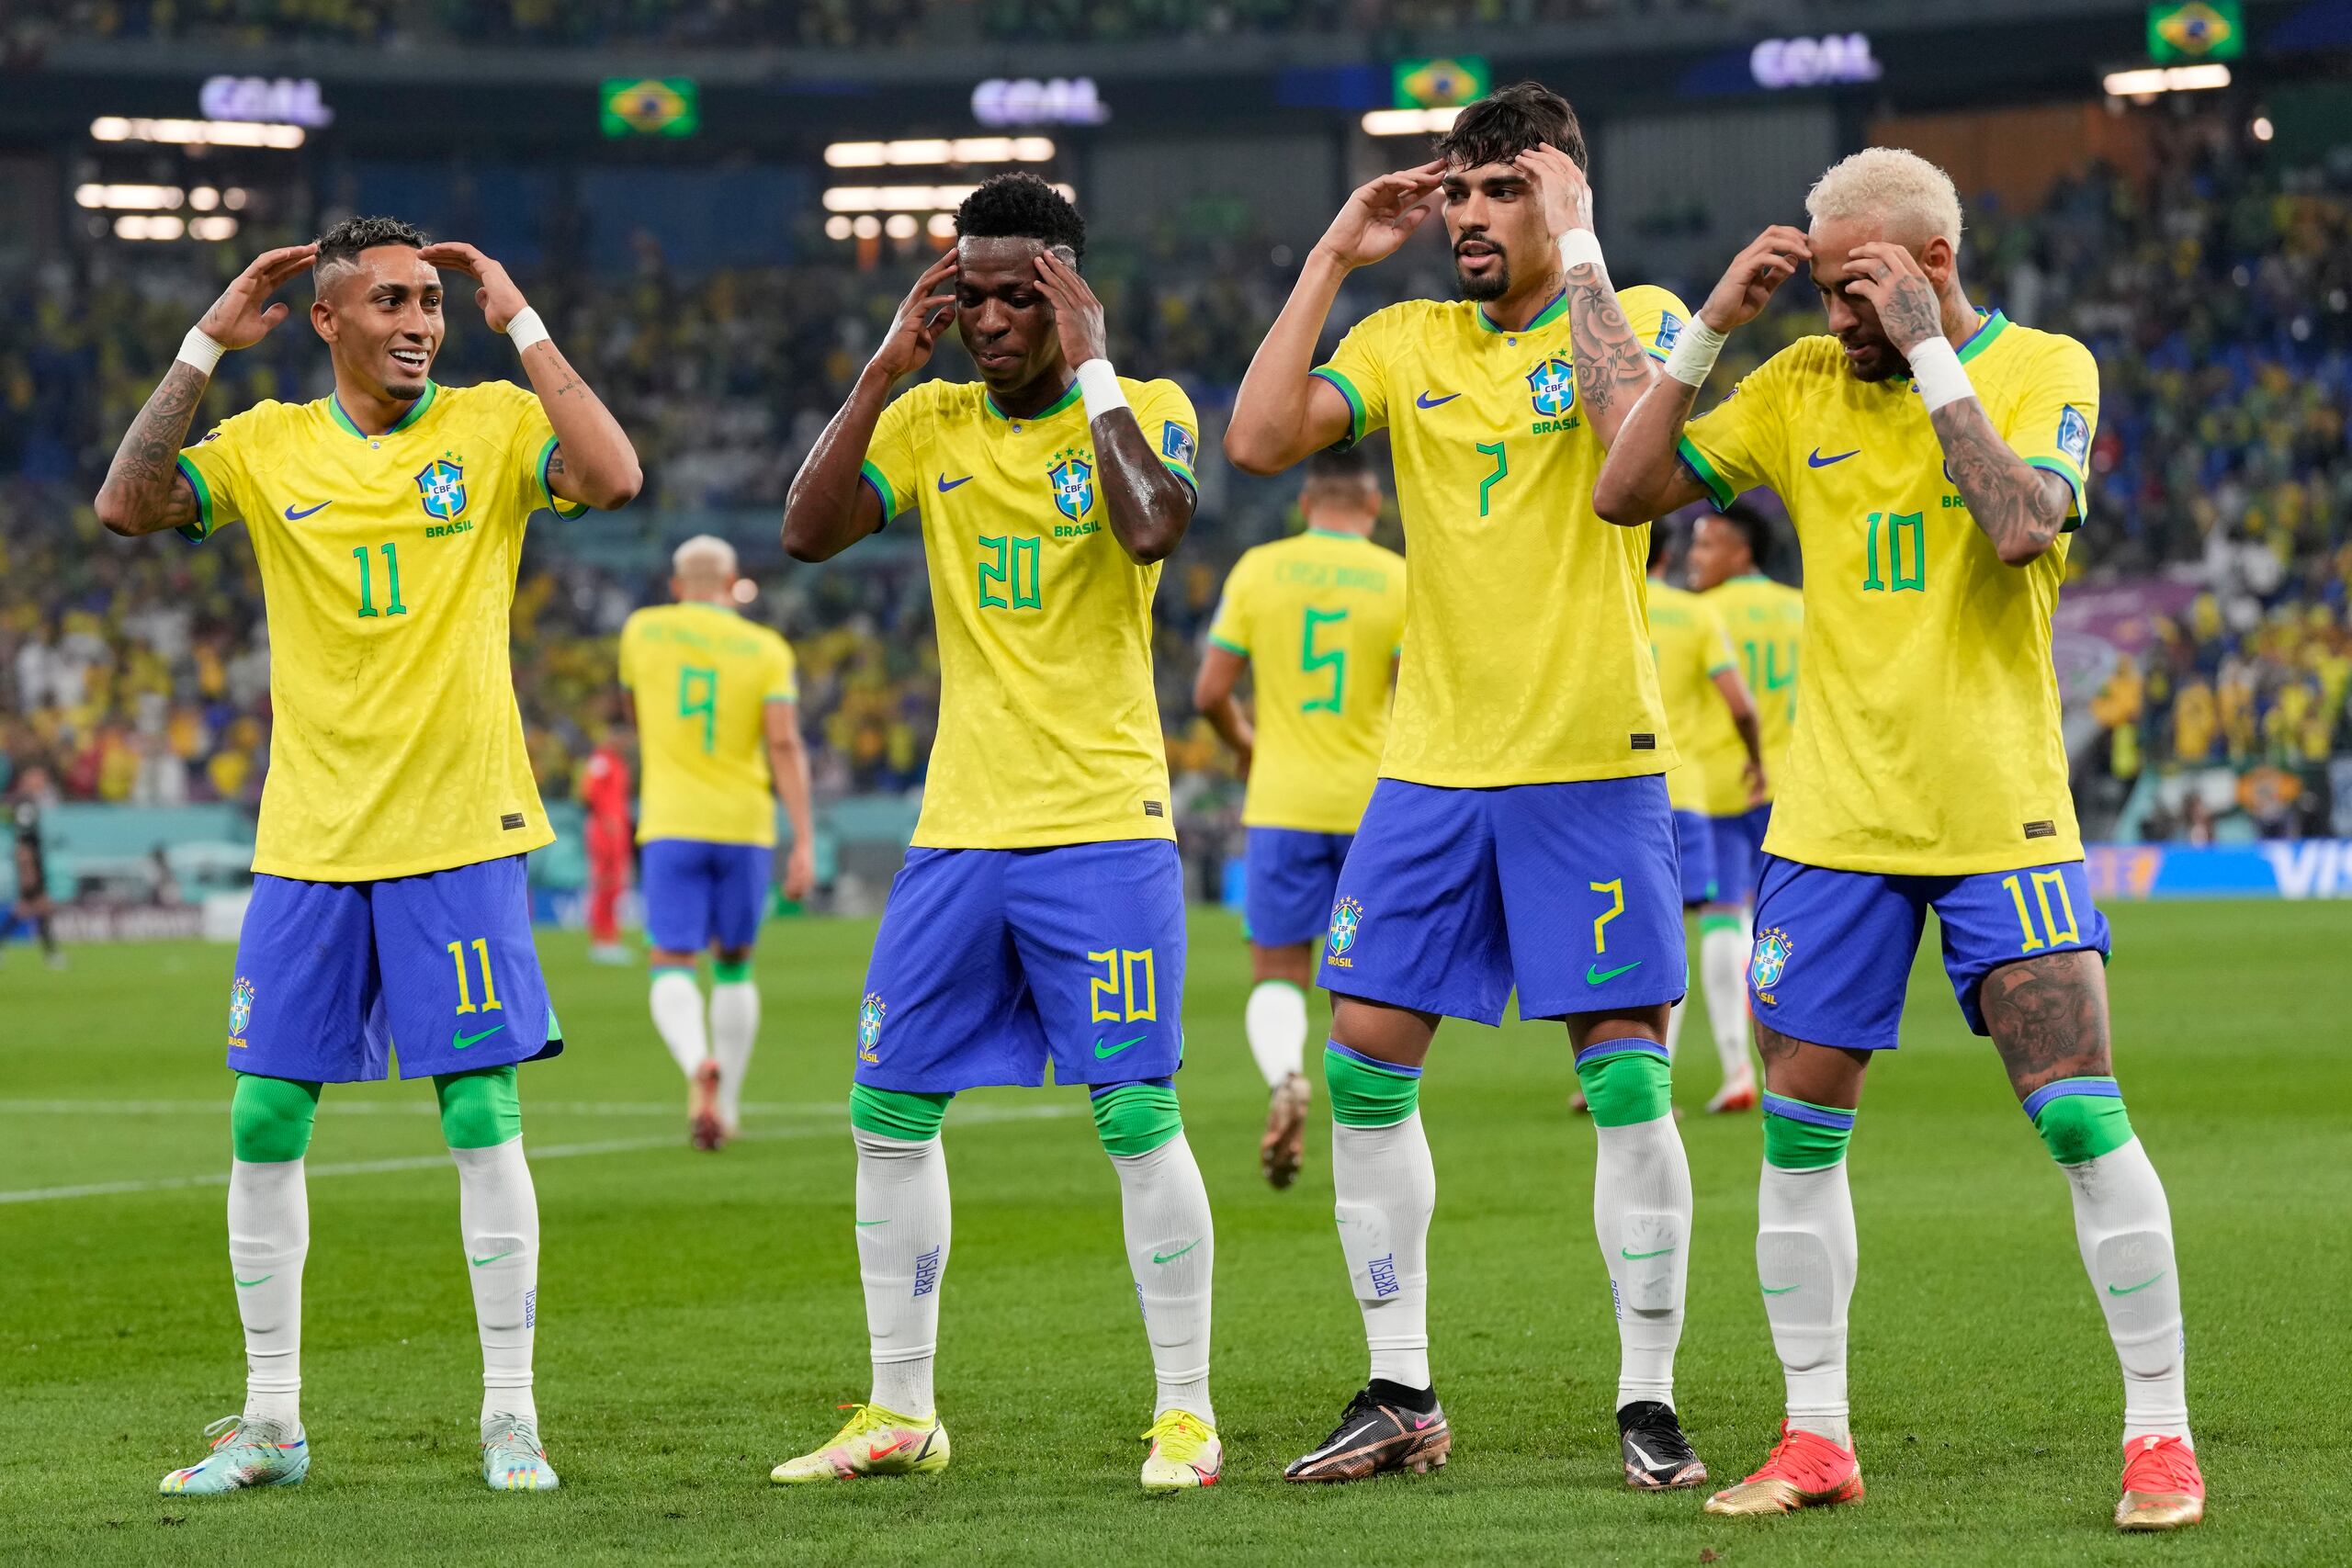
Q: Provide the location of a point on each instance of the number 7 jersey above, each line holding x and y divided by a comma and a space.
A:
1048, 723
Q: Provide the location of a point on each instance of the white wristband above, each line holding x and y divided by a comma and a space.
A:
200, 351
1941, 379
1693, 353
526, 331
1580, 247
1100, 385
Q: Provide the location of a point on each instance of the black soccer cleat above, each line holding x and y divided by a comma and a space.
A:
1658, 1458
1377, 1435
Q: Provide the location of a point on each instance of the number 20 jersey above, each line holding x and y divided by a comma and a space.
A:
1048, 723
387, 567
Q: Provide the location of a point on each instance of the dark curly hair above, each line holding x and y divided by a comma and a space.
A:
1500, 127
1753, 526
343, 243
1022, 206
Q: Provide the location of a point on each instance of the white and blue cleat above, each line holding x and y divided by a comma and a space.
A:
244, 1453
513, 1459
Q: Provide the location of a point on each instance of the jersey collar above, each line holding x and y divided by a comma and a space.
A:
1552, 313
1332, 534
415, 412
1060, 403
1990, 324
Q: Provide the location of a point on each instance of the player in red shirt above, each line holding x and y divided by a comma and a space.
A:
604, 790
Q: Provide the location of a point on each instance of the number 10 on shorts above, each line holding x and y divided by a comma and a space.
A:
1127, 991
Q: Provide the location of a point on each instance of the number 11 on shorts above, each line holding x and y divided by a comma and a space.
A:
465, 994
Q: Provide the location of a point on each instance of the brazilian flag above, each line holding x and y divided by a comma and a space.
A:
651, 106
2196, 29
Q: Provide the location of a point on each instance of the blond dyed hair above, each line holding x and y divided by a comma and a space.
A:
704, 560
1908, 195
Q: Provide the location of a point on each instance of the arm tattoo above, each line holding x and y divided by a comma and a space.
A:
145, 464
2048, 1016
1612, 368
2006, 496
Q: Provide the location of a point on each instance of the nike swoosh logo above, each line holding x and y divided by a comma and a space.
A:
294, 516
1643, 1454
947, 484
863, 1224
886, 1452
1426, 402
1594, 973
2135, 1290
1102, 1052
1778, 1290
1637, 1257
485, 1262
1814, 460
248, 1284
460, 1042
1173, 1256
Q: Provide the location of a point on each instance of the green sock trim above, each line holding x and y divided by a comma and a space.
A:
1367, 1094
1137, 1118
1627, 1089
1709, 923
2075, 1128
893, 1113
723, 972
1800, 1135
269, 1119
1286, 985
655, 972
480, 1109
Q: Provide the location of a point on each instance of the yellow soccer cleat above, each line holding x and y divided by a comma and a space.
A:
873, 1441
1184, 1454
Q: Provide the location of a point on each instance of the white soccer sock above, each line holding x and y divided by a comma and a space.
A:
1275, 1022
1723, 976
1386, 1189
734, 1026
269, 1234
677, 1017
2124, 1228
1674, 1029
903, 1224
1641, 1213
1806, 1259
498, 1210
1171, 1248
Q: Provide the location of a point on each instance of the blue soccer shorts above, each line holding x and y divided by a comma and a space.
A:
1833, 948
991, 963
698, 893
1289, 881
1695, 847
331, 974
1740, 853
1568, 892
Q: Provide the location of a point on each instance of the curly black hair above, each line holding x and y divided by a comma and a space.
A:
1022, 206
1753, 526
343, 242
1497, 129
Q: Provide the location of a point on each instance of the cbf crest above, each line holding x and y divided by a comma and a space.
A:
1552, 386
241, 1005
441, 487
1347, 920
1771, 959
1072, 477
869, 1027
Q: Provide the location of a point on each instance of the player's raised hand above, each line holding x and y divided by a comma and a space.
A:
923, 315
1565, 193
1077, 314
1754, 276
499, 299
242, 316
1381, 214
1891, 279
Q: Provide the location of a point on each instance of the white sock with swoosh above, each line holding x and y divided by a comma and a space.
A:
2124, 1228
498, 1212
269, 1234
903, 1227
1172, 1247
1806, 1259
1641, 1215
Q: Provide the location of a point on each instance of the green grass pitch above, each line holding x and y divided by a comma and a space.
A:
700, 1315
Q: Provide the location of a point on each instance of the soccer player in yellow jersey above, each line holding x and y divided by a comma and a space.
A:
1932, 457
717, 713
388, 897
1040, 915
1765, 620
1316, 618
1519, 835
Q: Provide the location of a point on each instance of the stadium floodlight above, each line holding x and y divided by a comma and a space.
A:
148, 225
2156, 79
198, 132
939, 151
837, 227
867, 228
942, 225
906, 199
217, 228
2262, 127
900, 226
134, 198
1409, 122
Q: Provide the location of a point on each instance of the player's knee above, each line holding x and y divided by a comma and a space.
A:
2079, 1119
479, 1110
731, 967
1800, 1135
894, 1114
1366, 1092
1135, 1118
269, 1119
1626, 1082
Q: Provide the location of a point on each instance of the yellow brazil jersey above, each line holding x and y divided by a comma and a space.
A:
1766, 623
1318, 615
1048, 726
1687, 639
1526, 649
388, 569
702, 677
1927, 736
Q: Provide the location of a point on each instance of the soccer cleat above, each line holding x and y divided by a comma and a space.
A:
1737, 1094
2163, 1489
1282, 1150
1375, 1435
1184, 1454
513, 1459
701, 1116
1805, 1469
873, 1441
1658, 1458
244, 1453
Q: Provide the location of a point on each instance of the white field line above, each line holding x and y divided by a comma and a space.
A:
978, 1115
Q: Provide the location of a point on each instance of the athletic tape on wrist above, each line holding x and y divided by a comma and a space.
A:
526, 331
1100, 386
1941, 379
1693, 353
200, 351
1580, 247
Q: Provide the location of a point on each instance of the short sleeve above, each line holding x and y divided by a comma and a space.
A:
2057, 415
1714, 641
1358, 368
534, 448
628, 654
783, 676
1731, 447
1655, 315
1166, 417
217, 469
1230, 629
890, 466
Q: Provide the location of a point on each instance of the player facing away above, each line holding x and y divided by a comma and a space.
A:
1932, 457
1316, 618
605, 792
1729, 550
717, 706
33, 902
389, 898
1040, 915
1519, 833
